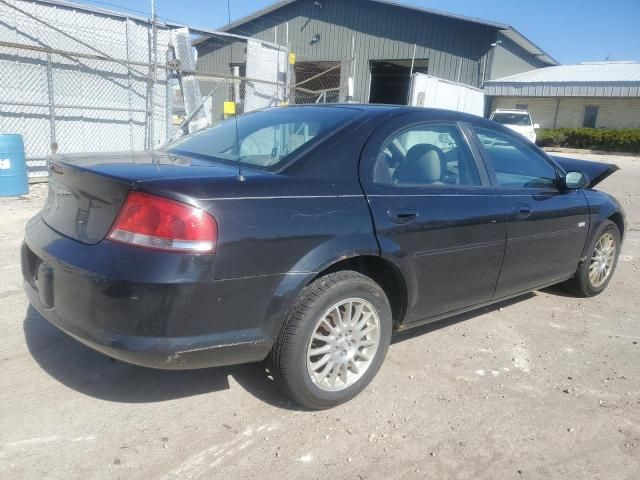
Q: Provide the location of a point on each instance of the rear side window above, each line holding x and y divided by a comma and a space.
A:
268, 145
516, 164
427, 155
264, 139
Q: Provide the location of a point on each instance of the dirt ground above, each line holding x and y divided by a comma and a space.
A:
544, 386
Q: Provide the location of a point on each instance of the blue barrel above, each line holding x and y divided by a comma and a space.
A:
13, 166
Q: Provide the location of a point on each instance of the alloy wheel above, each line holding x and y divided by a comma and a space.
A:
602, 260
343, 344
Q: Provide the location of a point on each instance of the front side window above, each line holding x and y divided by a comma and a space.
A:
428, 155
516, 164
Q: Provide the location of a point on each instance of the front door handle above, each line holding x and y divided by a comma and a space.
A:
523, 210
403, 214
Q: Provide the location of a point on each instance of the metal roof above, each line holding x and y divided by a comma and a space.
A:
590, 79
284, 3
94, 9
83, 7
505, 29
583, 73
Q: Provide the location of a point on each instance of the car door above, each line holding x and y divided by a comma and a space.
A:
435, 213
546, 225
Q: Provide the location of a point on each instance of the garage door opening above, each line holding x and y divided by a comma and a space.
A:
390, 80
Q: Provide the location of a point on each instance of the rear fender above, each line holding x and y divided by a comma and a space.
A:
317, 260
393, 253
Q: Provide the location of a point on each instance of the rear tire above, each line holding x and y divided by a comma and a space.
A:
334, 340
594, 274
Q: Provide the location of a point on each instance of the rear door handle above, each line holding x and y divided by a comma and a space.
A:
402, 214
523, 210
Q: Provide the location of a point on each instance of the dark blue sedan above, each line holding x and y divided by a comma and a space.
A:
308, 235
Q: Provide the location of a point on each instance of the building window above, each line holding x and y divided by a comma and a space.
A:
522, 106
590, 116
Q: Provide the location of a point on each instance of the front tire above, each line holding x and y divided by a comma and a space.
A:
334, 340
594, 274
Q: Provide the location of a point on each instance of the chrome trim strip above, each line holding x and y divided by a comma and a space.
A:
460, 248
284, 197
434, 195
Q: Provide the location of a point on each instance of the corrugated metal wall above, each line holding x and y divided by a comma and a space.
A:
564, 89
509, 59
457, 50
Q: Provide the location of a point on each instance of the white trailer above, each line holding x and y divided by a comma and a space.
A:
433, 92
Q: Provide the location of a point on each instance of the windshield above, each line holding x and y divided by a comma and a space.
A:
267, 138
521, 119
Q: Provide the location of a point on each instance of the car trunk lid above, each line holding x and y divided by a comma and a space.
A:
87, 191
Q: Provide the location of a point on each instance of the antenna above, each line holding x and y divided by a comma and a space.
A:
235, 104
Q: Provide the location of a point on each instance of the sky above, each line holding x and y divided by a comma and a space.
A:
571, 31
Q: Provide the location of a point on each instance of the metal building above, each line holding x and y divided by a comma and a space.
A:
365, 50
594, 94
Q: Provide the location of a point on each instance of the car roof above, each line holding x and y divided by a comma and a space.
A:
373, 109
366, 107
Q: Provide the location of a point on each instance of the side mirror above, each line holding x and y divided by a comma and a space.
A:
536, 126
575, 180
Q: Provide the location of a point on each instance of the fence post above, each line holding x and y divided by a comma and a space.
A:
235, 71
52, 106
290, 67
129, 84
168, 102
351, 95
154, 62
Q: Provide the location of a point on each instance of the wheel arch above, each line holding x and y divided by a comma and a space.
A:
618, 218
381, 271
603, 207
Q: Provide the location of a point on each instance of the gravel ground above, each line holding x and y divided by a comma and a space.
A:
544, 386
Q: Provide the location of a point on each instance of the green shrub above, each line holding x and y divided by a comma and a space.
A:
626, 140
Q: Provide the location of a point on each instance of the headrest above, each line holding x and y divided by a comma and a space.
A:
422, 164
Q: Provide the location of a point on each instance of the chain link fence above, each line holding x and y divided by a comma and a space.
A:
320, 82
71, 81
238, 75
76, 80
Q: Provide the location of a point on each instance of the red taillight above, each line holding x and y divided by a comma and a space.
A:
156, 222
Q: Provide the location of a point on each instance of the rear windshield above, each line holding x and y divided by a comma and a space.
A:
265, 139
521, 119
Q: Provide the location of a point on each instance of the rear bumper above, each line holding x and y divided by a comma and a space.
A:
160, 352
152, 309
